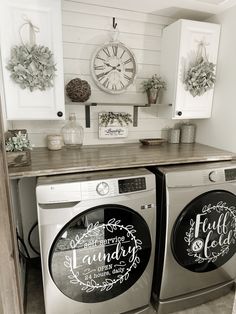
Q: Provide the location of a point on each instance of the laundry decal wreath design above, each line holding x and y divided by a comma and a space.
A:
101, 259
209, 240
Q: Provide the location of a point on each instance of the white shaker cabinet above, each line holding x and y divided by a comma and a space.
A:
180, 46
45, 15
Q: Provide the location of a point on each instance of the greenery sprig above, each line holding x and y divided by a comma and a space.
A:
155, 82
32, 67
17, 143
107, 118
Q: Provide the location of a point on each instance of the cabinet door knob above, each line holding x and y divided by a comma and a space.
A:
60, 114
179, 113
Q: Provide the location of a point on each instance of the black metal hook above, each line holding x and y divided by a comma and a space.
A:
114, 23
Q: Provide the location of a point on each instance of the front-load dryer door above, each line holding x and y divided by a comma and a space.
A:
204, 234
100, 253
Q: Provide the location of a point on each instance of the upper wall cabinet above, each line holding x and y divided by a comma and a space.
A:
184, 44
32, 59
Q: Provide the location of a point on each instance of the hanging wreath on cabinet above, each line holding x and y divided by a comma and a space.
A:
32, 66
200, 76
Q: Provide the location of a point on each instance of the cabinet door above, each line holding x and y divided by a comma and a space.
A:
22, 104
192, 33
179, 48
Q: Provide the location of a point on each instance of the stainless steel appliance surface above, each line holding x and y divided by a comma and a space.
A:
97, 239
195, 260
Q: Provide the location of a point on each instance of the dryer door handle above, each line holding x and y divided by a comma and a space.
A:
58, 205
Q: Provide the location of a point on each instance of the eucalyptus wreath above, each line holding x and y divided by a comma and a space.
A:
32, 67
200, 77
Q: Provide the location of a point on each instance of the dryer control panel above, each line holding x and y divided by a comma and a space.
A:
132, 185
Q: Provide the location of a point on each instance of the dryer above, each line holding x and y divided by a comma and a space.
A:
196, 246
97, 241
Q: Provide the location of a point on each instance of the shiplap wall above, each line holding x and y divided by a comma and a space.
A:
85, 27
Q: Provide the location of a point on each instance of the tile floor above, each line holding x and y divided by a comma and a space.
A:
35, 305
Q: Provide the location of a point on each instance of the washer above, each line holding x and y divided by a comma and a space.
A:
196, 247
97, 240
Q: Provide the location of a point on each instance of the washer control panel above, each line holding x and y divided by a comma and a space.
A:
132, 185
102, 188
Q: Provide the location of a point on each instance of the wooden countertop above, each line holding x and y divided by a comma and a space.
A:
104, 157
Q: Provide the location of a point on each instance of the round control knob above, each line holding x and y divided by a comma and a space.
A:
102, 188
179, 113
214, 176
60, 114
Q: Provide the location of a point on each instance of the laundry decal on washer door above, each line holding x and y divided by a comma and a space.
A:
204, 235
218, 234
100, 254
119, 261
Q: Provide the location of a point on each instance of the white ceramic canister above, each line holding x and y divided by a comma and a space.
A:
54, 142
188, 133
173, 136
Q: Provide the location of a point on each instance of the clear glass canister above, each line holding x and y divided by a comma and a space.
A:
73, 133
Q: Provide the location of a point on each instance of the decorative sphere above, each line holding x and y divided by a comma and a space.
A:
78, 90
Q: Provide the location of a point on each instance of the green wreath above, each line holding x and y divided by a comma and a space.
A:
200, 76
32, 67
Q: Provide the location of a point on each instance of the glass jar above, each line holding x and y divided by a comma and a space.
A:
73, 133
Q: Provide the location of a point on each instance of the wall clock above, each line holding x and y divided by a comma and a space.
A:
113, 67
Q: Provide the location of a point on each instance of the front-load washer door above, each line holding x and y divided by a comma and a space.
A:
100, 253
204, 234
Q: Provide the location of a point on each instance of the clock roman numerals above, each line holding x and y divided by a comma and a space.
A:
99, 67
106, 51
122, 84
122, 54
100, 76
106, 83
129, 70
127, 77
115, 50
100, 58
128, 61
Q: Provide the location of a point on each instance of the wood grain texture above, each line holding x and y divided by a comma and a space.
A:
11, 295
104, 157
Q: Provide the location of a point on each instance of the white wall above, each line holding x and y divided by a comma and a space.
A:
85, 27
220, 130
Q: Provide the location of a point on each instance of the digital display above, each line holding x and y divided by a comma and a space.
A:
230, 174
132, 185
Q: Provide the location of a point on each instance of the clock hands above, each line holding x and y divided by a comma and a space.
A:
113, 68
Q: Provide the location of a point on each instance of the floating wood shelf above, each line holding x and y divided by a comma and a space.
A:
135, 111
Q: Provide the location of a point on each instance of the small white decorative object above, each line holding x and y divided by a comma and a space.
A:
113, 124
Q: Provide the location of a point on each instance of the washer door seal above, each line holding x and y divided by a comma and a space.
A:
100, 253
204, 234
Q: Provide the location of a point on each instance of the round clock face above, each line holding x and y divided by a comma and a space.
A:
113, 67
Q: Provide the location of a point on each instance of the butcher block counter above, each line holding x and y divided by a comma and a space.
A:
104, 157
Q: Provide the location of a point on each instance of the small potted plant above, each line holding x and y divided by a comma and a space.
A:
18, 149
152, 87
113, 124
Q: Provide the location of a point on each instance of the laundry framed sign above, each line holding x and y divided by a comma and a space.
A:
113, 124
